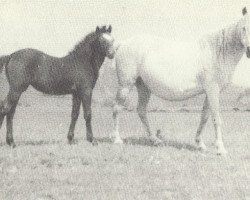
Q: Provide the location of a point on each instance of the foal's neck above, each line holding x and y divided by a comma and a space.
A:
89, 56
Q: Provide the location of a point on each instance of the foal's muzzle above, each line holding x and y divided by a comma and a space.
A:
248, 52
111, 54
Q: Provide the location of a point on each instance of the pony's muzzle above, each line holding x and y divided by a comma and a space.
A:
248, 52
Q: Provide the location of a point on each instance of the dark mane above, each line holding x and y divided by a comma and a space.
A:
83, 47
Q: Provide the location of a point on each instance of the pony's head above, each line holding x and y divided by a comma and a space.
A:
105, 41
245, 31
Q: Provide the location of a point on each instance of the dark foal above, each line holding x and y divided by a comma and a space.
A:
74, 74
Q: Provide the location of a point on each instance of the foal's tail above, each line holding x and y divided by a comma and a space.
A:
4, 60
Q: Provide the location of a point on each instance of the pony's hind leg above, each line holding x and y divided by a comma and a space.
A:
143, 99
204, 117
8, 108
76, 103
213, 93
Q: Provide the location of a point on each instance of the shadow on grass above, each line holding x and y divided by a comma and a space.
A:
143, 141
40, 142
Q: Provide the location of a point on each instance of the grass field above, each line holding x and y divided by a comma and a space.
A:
44, 166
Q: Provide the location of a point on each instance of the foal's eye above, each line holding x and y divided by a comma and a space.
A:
244, 29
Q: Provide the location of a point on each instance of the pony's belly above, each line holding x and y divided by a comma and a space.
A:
173, 77
175, 94
173, 89
53, 87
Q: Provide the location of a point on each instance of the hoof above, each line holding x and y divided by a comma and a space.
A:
220, 148
94, 142
70, 139
222, 152
71, 142
118, 141
201, 146
156, 141
11, 143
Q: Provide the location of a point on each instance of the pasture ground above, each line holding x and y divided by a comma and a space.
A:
44, 166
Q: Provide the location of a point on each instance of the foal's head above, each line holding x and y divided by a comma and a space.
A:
105, 42
245, 31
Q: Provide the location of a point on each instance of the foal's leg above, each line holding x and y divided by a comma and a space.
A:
76, 103
9, 124
143, 99
1, 118
8, 108
86, 102
204, 117
213, 93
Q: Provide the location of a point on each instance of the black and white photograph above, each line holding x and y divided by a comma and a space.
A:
124, 100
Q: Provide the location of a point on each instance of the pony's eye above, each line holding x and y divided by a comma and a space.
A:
244, 29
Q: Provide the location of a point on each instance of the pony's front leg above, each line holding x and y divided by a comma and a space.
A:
204, 117
121, 97
116, 109
213, 93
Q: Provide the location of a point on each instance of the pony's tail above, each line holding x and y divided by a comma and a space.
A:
4, 60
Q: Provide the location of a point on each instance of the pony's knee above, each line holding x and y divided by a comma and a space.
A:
122, 95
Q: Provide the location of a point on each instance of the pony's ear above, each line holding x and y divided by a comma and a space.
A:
244, 11
109, 29
97, 30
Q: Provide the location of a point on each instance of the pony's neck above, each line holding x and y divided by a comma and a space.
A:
229, 46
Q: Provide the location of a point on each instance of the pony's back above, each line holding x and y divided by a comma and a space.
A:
138, 52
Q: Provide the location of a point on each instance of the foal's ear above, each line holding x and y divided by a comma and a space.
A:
109, 29
97, 30
244, 11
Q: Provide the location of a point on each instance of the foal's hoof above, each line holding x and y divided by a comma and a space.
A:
94, 142
156, 141
71, 142
70, 139
11, 144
